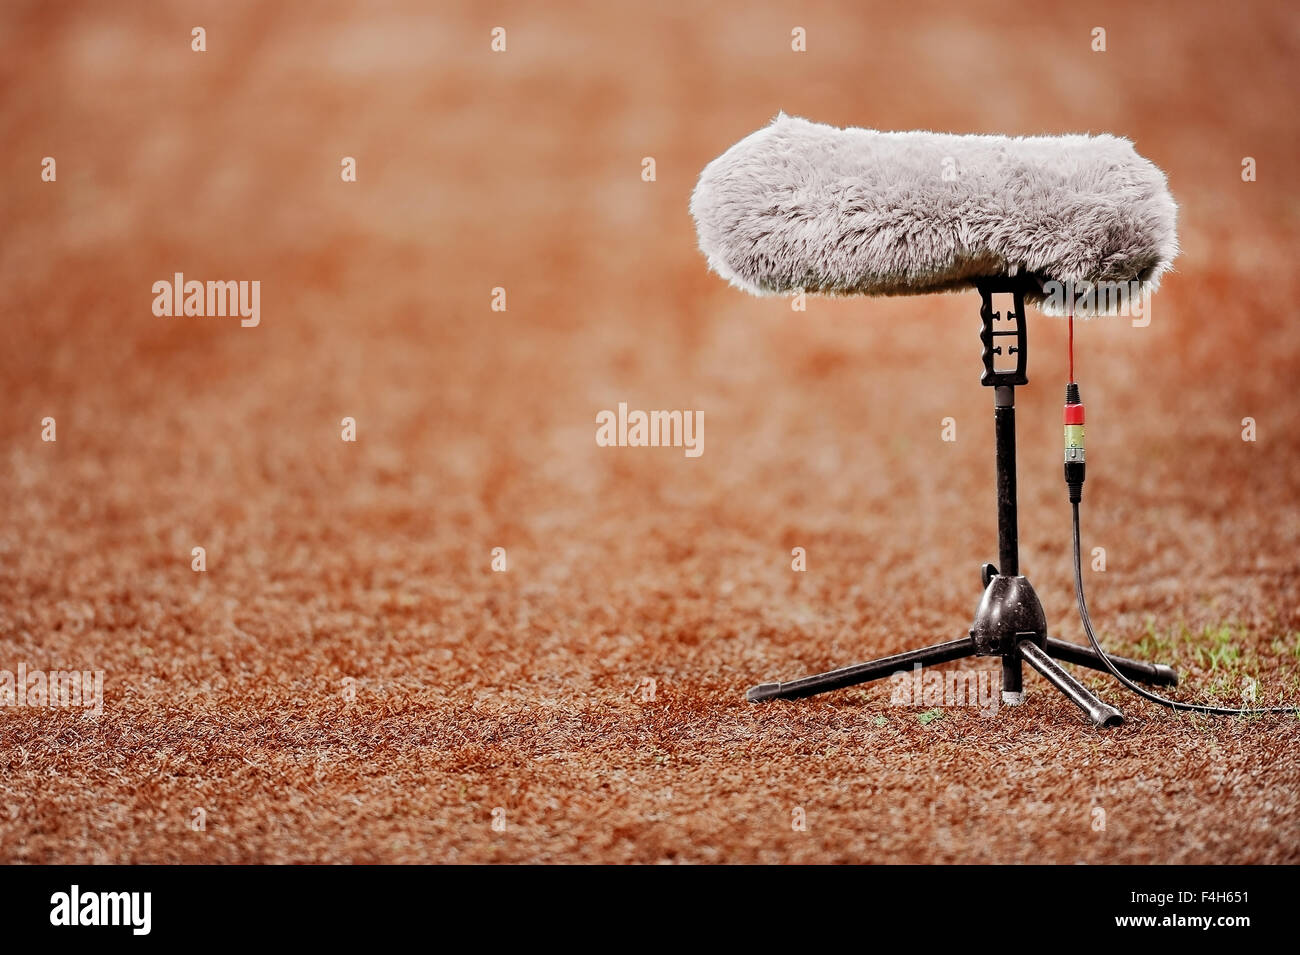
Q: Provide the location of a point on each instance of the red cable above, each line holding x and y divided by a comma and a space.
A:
1071, 346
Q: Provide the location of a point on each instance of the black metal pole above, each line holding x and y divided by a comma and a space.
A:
1013, 680
1004, 423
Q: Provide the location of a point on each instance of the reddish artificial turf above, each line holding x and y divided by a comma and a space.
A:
350, 681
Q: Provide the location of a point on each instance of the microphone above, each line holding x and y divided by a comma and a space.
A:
806, 206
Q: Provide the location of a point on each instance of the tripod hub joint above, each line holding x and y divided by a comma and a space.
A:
1009, 612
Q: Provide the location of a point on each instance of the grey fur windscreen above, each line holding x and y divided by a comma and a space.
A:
803, 205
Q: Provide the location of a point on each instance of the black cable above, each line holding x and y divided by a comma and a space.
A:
1147, 694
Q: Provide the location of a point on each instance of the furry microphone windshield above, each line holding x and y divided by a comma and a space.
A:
802, 205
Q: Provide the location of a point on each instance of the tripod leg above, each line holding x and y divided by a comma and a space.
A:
1103, 714
1154, 674
861, 672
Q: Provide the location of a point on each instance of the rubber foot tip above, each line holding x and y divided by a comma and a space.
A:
764, 691
1107, 716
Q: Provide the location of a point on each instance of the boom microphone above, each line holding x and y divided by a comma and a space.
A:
803, 205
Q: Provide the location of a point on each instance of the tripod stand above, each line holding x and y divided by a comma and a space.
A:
1009, 622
